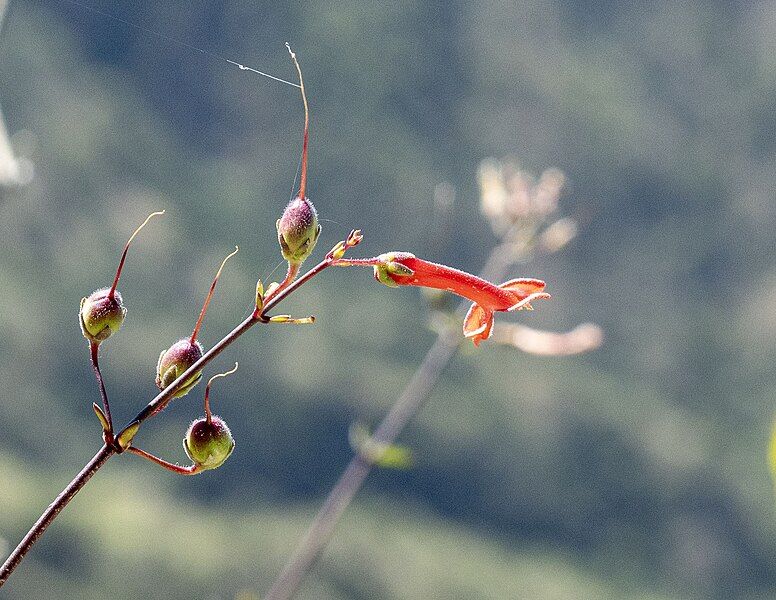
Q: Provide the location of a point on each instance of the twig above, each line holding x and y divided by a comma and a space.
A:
94, 352
126, 434
258, 316
53, 510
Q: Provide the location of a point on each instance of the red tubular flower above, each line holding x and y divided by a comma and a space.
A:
402, 268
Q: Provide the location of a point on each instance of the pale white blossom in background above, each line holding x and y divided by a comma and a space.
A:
13, 171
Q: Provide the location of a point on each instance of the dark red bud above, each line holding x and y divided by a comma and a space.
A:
101, 315
298, 230
174, 361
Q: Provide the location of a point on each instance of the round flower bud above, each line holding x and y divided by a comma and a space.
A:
174, 361
298, 230
208, 444
101, 315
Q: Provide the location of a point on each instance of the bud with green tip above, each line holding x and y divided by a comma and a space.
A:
174, 361
298, 230
101, 314
208, 442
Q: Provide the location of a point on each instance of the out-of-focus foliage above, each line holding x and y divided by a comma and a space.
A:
638, 471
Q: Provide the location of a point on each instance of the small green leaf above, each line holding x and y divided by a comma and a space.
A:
259, 295
291, 321
124, 439
394, 457
101, 416
338, 251
386, 456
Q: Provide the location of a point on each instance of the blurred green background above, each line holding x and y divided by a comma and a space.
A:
636, 471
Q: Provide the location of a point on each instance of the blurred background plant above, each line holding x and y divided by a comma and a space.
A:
522, 214
636, 471
13, 171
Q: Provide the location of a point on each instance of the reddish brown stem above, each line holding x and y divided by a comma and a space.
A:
208, 414
190, 470
53, 510
357, 262
94, 351
112, 292
209, 297
291, 273
303, 175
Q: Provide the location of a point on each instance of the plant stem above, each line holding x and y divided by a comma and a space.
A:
291, 273
209, 297
178, 469
407, 405
94, 352
53, 510
153, 407
258, 316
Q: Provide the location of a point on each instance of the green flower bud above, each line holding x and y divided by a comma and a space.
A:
298, 230
208, 443
174, 361
389, 266
101, 315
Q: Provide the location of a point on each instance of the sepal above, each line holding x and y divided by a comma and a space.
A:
124, 439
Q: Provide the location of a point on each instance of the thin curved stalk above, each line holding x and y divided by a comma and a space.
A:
94, 353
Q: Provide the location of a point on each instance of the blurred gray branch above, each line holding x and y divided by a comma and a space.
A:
13, 171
